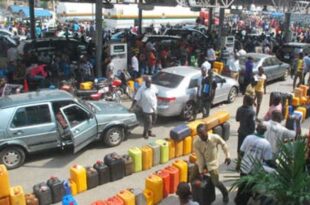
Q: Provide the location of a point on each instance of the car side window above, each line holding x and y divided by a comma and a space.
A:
267, 62
75, 115
217, 79
32, 115
193, 83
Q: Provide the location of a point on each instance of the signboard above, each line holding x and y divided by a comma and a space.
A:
300, 18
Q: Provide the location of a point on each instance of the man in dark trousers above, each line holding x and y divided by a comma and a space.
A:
248, 74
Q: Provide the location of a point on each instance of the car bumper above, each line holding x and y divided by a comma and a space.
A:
168, 110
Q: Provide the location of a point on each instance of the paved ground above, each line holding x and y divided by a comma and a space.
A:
57, 163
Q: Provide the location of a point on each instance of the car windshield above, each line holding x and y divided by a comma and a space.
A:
169, 80
243, 59
88, 105
289, 49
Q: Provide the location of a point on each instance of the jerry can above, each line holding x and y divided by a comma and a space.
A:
139, 80
164, 151
5, 182
171, 145
78, 175
183, 169
92, 177
174, 178
211, 122
136, 155
129, 169
295, 101
73, 187
127, 197
57, 188
86, 85
103, 172
303, 110
139, 196
147, 157
193, 126
222, 116
304, 89
116, 166
179, 148
31, 199
298, 92
99, 202
165, 176
131, 84
5, 201
192, 158
115, 200
43, 193
148, 194
156, 153
155, 184
17, 196
187, 145
69, 200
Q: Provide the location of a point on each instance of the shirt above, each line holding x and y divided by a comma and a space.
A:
207, 152
248, 69
276, 134
135, 63
300, 65
250, 91
271, 109
147, 99
246, 116
254, 148
211, 54
261, 79
206, 88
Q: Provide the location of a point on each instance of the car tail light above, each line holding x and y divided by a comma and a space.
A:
166, 100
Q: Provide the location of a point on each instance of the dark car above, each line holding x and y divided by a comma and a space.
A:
288, 51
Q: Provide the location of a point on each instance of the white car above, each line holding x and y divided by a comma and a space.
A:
4, 32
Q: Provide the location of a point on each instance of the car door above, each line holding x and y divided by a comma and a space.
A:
281, 68
270, 70
35, 126
192, 89
222, 90
82, 125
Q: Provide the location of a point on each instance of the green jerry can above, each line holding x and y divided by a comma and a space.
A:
164, 150
136, 154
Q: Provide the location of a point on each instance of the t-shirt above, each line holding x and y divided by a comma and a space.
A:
246, 116
147, 99
250, 91
260, 83
300, 65
207, 87
271, 109
135, 63
254, 148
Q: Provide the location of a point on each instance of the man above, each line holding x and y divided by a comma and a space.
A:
135, 65
246, 116
205, 147
250, 90
206, 90
277, 133
248, 74
254, 148
306, 68
147, 99
299, 70
260, 88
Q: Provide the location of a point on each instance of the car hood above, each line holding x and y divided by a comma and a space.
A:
109, 108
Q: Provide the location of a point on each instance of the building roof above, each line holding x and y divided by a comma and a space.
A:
37, 12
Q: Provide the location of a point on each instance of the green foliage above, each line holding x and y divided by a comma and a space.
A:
289, 184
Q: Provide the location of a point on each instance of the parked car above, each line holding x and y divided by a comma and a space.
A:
288, 51
5, 43
4, 32
31, 122
273, 67
178, 91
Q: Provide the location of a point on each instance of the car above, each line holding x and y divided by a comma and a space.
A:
273, 67
289, 51
4, 32
5, 43
43, 120
177, 91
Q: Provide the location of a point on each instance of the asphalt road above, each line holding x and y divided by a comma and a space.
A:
40, 167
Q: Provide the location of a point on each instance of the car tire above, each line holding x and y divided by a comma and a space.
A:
12, 157
113, 136
233, 93
189, 112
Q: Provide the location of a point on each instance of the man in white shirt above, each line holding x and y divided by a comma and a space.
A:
276, 133
135, 65
146, 97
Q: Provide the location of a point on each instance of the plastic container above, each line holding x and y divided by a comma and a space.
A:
17, 196
155, 184
31, 199
179, 148
73, 187
156, 153
116, 166
183, 169
115, 200
92, 178
193, 126
303, 100
304, 89
127, 196
218, 130
171, 145
148, 194
164, 150
5, 182
103, 172
86, 85
139, 196
222, 116
226, 131
136, 155
174, 178
99, 202
5, 201
187, 145
180, 132
139, 80
295, 101
131, 84
147, 157
303, 110
211, 122
69, 200
128, 164
192, 158
57, 188
298, 92
78, 175
43, 193
165, 176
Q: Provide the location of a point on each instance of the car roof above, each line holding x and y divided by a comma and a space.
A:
296, 44
33, 98
184, 71
257, 55
50, 39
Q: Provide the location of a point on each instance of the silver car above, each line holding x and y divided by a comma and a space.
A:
273, 67
178, 91
38, 121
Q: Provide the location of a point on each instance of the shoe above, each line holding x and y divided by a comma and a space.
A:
226, 199
152, 135
145, 137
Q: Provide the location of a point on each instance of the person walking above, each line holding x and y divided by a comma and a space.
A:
146, 97
206, 90
250, 90
248, 74
206, 149
299, 70
260, 88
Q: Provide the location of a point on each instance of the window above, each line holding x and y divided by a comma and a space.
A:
34, 115
193, 83
75, 115
168, 80
267, 62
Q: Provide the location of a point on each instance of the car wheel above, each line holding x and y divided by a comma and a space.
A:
233, 93
189, 112
12, 157
114, 136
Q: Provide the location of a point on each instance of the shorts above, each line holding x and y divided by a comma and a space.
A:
259, 97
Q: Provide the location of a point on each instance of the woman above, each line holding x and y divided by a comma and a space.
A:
260, 88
